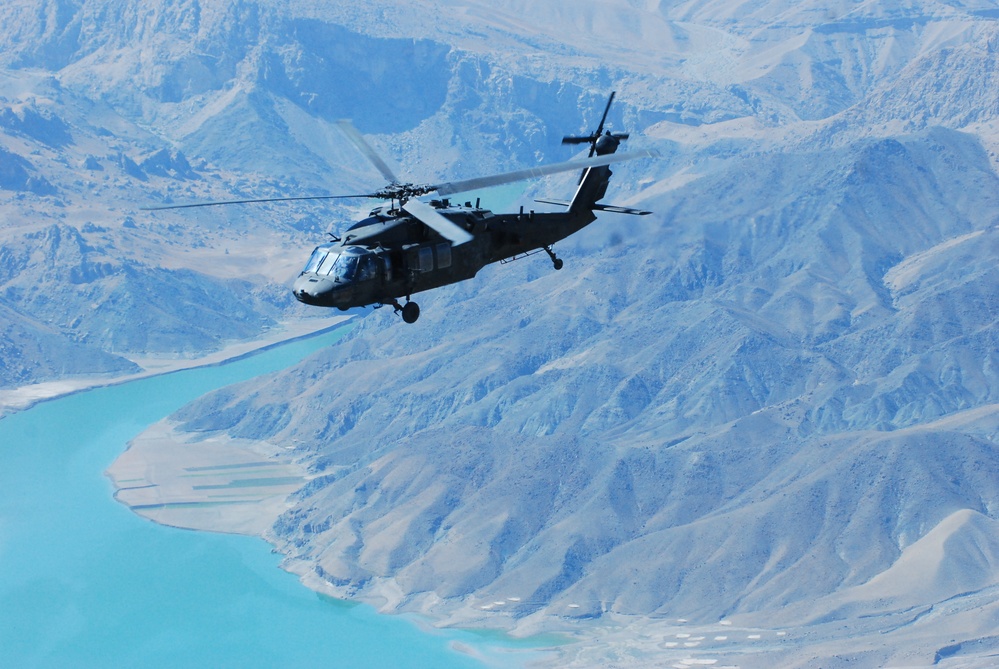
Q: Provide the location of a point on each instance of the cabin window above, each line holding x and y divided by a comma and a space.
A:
443, 255
426, 259
387, 264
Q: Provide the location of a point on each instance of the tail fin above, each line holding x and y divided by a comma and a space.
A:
592, 187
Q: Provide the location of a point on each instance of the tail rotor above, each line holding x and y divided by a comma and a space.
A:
610, 140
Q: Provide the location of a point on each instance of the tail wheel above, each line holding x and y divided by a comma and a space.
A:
556, 261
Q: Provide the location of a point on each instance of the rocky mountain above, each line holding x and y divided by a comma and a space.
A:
88, 282
773, 402
730, 415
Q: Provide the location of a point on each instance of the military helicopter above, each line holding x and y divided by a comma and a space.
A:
409, 246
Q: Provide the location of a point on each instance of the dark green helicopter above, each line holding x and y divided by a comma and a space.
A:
409, 246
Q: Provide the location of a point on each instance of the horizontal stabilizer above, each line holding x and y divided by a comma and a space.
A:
602, 207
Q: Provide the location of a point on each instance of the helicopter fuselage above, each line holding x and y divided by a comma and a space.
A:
391, 255
394, 253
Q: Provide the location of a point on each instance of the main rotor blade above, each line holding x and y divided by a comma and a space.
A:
447, 228
351, 132
452, 187
266, 199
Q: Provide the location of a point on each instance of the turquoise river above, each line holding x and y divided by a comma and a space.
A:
86, 583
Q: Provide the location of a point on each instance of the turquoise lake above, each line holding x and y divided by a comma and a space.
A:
86, 583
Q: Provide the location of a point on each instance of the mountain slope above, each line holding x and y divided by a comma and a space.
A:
721, 418
773, 400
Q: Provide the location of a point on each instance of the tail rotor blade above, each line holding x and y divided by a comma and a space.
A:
600, 128
592, 138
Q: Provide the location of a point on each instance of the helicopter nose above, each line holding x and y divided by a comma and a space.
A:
312, 289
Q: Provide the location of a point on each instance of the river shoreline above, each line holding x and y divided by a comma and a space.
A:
224, 485
17, 399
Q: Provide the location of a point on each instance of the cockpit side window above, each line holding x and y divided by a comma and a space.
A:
344, 268
366, 268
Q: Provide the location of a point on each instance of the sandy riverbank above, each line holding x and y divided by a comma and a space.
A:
23, 397
216, 484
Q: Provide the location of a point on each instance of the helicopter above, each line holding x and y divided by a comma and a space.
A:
410, 246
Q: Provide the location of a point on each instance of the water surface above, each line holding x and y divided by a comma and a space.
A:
86, 583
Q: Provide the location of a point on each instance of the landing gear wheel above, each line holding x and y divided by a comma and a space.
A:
410, 312
556, 261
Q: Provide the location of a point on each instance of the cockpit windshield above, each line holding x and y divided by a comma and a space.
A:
339, 266
317, 257
327, 264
